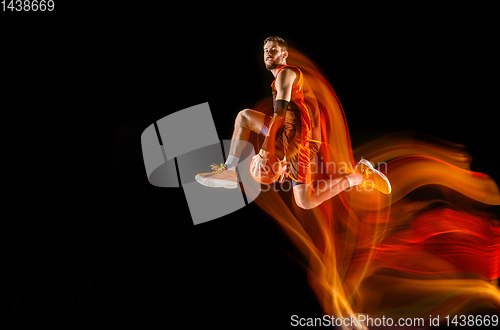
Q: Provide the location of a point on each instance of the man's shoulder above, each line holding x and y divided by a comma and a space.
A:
291, 68
290, 72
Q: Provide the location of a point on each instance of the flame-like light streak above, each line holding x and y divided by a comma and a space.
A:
394, 254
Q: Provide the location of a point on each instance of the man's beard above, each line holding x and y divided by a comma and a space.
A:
272, 66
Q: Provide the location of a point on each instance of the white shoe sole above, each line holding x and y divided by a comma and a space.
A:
216, 183
369, 165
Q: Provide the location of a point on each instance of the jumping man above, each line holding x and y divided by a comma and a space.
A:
289, 134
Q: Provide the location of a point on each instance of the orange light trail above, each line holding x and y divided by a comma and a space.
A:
394, 255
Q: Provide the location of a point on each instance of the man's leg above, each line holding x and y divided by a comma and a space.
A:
247, 121
225, 176
307, 196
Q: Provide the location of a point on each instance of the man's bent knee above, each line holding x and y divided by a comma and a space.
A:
243, 117
302, 198
250, 119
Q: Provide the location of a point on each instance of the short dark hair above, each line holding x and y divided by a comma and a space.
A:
281, 42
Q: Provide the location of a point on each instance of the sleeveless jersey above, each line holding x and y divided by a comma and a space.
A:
301, 125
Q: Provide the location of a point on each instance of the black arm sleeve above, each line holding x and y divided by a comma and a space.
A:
280, 107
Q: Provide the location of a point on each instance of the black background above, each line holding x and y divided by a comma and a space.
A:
90, 238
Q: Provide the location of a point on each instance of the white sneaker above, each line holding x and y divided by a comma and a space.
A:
220, 177
372, 177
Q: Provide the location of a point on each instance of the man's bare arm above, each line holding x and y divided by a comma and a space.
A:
284, 83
